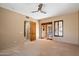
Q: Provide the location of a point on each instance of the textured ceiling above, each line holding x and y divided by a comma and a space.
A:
52, 9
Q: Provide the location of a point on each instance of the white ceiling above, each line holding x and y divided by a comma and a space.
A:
52, 9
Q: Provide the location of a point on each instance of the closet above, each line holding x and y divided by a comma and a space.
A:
29, 30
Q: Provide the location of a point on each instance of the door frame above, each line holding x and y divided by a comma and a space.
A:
46, 28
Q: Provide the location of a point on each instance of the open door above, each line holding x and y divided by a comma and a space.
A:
32, 31
47, 30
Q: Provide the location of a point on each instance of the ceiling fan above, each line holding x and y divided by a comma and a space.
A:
39, 9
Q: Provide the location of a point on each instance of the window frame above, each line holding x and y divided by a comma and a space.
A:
58, 28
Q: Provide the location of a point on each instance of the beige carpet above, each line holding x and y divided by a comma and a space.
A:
43, 47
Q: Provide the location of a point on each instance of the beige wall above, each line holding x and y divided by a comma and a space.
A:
11, 29
70, 27
78, 27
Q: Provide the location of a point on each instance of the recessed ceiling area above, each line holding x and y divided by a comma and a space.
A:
51, 9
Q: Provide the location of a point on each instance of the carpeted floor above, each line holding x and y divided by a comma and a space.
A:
43, 47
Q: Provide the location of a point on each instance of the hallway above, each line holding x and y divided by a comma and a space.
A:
43, 47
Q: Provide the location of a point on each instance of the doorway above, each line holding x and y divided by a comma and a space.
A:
29, 30
47, 30
32, 31
26, 30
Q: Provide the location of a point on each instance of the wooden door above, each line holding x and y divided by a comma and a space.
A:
32, 31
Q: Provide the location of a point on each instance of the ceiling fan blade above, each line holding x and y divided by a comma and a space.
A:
34, 11
43, 12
